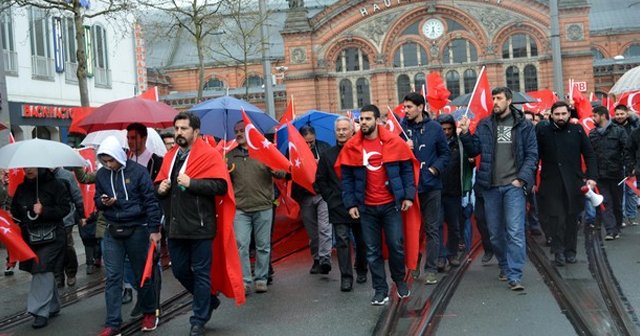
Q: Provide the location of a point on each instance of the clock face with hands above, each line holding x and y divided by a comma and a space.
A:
433, 29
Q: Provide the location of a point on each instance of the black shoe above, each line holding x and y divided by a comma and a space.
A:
559, 260
196, 330
325, 266
486, 258
40, 322
402, 290
127, 295
137, 310
361, 278
571, 259
91, 269
60, 282
54, 314
71, 280
346, 284
536, 232
315, 268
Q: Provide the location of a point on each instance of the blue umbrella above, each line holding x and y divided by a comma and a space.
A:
323, 122
218, 116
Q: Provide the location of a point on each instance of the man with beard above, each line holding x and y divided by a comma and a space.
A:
629, 122
561, 146
508, 152
328, 185
378, 182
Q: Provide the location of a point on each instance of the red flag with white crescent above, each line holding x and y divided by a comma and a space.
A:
11, 237
225, 146
631, 99
481, 100
88, 191
545, 99
392, 123
262, 149
303, 163
16, 175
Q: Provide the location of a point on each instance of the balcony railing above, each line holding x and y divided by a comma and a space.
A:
10, 59
102, 77
42, 67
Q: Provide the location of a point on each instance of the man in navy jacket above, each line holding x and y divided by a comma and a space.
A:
506, 142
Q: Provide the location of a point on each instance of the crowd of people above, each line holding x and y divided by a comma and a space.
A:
517, 171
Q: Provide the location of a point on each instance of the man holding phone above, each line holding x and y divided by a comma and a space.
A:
126, 196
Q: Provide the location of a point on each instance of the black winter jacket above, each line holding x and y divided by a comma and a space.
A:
329, 186
611, 151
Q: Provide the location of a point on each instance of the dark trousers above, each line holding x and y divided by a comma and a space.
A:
612, 215
564, 233
376, 220
481, 224
191, 265
343, 248
70, 260
450, 213
430, 203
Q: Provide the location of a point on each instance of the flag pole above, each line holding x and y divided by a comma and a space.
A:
475, 87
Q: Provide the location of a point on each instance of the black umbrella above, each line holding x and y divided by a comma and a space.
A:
518, 98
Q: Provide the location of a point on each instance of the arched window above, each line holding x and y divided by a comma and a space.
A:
362, 92
460, 51
214, 84
513, 78
253, 81
530, 78
404, 86
632, 50
518, 46
346, 94
410, 54
597, 54
412, 29
419, 80
470, 78
453, 83
352, 59
453, 25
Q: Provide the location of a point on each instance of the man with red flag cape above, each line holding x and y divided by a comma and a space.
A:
199, 207
379, 177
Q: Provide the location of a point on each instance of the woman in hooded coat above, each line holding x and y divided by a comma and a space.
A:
39, 205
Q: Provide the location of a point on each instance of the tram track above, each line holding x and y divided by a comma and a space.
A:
594, 307
422, 312
96, 286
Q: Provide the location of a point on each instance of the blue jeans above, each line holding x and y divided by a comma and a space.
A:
506, 207
451, 213
375, 220
114, 251
630, 202
191, 265
258, 222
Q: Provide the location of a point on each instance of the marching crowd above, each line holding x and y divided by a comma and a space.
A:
513, 171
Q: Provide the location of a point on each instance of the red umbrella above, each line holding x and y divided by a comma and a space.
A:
120, 113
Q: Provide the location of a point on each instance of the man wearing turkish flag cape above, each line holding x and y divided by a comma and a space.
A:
379, 175
191, 175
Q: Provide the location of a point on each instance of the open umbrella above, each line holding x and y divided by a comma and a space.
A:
218, 116
322, 122
630, 81
39, 153
154, 141
518, 98
120, 113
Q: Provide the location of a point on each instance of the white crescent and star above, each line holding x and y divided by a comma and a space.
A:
247, 132
390, 126
365, 160
231, 143
483, 101
5, 229
292, 149
630, 100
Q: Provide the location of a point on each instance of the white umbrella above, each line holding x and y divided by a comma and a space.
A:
38, 153
154, 141
630, 81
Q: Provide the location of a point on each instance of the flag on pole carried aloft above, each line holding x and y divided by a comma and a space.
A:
580, 102
481, 100
303, 163
289, 114
438, 94
262, 149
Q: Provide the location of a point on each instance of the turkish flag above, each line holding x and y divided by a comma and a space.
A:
77, 115
631, 183
286, 203
393, 149
289, 113
204, 162
399, 110
580, 103
261, 149
88, 190
545, 98
11, 237
209, 140
392, 124
225, 146
148, 265
16, 175
303, 163
151, 94
631, 99
481, 100
438, 95
587, 124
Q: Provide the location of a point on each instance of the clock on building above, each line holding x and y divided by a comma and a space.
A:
433, 28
